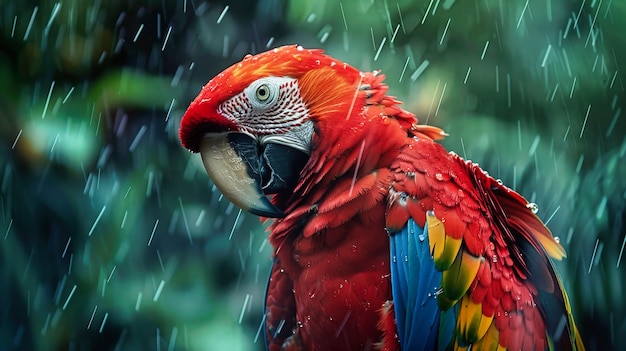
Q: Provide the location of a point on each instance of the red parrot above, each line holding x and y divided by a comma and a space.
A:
382, 239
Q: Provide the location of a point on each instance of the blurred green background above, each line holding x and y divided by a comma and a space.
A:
112, 237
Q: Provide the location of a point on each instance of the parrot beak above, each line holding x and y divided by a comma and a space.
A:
246, 171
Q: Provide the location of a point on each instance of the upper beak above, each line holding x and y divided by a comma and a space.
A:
246, 171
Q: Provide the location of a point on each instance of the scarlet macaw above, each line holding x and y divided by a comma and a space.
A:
382, 239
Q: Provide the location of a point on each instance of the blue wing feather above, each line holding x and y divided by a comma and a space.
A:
415, 282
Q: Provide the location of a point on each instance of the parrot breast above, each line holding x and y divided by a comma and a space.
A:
340, 282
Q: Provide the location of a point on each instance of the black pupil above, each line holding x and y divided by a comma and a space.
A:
262, 92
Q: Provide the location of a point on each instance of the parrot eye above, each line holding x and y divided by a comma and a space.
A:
263, 92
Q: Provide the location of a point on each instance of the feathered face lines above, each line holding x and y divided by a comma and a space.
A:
271, 105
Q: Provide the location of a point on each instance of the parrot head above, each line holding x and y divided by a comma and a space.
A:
253, 124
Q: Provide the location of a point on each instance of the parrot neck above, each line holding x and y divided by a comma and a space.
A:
349, 160
362, 137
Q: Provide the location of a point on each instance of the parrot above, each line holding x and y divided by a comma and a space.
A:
382, 239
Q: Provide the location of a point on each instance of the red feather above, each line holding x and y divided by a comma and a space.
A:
493, 222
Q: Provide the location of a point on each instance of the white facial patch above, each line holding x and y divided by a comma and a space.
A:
272, 110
